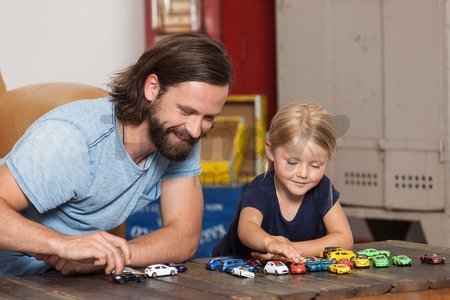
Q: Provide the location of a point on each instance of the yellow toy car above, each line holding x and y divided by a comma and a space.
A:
362, 261
327, 250
339, 269
334, 256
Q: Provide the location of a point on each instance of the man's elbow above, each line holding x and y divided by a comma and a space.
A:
190, 247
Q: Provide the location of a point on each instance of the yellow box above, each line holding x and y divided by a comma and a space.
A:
223, 150
233, 151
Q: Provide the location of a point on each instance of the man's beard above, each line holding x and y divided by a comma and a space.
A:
161, 139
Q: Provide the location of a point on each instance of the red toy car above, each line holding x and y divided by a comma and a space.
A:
432, 259
297, 268
347, 262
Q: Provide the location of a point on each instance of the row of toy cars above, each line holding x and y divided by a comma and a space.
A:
155, 270
332, 259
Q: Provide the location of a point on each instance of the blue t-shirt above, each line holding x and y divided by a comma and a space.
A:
78, 176
261, 194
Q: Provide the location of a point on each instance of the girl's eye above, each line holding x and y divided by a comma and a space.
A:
292, 163
315, 166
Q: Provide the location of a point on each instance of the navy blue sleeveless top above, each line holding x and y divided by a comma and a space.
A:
261, 194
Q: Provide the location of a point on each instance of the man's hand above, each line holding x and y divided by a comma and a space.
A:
67, 267
96, 249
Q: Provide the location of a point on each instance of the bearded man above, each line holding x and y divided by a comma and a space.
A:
83, 168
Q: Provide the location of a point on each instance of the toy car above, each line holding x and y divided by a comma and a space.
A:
160, 270
180, 267
334, 256
285, 260
432, 259
401, 260
242, 272
325, 251
380, 261
254, 262
362, 261
325, 263
346, 262
226, 263
371, 252
275, 267
252, 268
129, 276
339, 269
297, 268
214, 263
313, 265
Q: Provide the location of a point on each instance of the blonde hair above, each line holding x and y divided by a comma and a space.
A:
309, 120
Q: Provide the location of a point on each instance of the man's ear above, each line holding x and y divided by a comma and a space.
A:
269, 151
151, 87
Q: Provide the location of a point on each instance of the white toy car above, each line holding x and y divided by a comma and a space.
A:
160, 270
276, 267
242, 272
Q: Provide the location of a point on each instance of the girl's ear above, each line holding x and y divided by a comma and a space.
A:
269, 151
151, 87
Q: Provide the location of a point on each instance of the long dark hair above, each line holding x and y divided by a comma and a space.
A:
174, 59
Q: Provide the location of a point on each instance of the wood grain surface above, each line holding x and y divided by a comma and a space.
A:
420, 281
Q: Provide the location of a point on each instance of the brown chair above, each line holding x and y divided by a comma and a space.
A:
22, 106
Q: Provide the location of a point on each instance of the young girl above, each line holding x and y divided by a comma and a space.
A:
292, 209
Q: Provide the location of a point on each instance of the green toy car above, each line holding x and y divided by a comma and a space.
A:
401, 260
371, 252
380, 261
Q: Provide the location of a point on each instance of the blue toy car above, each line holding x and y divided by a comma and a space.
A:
214, 263
235, 262
313, 265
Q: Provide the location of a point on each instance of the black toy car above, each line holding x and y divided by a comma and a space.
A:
128, 276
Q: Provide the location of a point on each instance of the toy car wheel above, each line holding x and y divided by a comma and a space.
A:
265, 271
121, 280
172, 273
276, 272
154, 274
141, 279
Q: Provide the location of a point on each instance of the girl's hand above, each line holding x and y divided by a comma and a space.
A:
263, 257
282, 246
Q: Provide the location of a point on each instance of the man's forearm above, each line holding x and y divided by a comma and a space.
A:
168, 244
22, 235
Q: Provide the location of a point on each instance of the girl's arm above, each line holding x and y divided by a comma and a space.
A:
339, 234
253, 236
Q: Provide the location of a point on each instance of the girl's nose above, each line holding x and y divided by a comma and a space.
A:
302, 172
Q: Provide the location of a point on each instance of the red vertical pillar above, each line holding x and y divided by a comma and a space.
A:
248, 32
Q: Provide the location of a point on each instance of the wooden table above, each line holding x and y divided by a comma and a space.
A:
420, 281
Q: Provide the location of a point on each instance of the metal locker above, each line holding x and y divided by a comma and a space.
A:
384, 64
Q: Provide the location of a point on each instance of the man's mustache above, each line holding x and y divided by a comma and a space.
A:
185, 135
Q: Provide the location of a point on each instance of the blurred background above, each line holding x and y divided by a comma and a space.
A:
381, 64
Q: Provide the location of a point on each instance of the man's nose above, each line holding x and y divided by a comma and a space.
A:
194, 127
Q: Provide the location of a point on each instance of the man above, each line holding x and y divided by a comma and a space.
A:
83, 168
